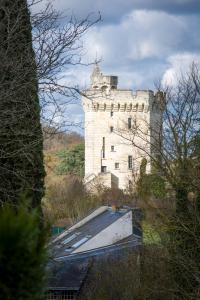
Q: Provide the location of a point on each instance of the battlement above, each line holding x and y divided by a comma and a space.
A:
123, 101
120, 107
115, 107
144, 93
104, 97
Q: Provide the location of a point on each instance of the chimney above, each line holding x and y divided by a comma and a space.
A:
114, 208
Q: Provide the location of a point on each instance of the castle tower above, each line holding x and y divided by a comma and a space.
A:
111, 117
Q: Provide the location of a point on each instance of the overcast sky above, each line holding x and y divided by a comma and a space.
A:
141, 41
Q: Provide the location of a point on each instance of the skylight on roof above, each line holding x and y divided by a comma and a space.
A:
83, 240
68, 249
70, 238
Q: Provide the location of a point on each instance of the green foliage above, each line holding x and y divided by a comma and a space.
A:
143, 167
150, 235
157, 186
22, 255
195, 145
72, 161
151, 185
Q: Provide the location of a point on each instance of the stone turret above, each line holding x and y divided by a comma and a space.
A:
102, 82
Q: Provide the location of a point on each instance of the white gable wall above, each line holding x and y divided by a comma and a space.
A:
117, 231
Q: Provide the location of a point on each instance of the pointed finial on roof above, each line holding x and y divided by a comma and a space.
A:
96, 60
96, 70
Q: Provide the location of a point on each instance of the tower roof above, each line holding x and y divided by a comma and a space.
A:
99, 80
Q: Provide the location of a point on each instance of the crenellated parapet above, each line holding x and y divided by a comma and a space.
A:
115, 107
119, 100
95, 106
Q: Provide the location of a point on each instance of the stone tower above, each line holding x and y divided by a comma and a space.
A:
112, 116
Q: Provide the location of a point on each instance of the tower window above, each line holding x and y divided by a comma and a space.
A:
130, 162
112, 148
129, 123
111, 128
111, 113
103, 169
103, 148
117, 165
103, 88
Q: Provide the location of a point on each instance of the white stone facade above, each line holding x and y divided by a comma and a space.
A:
112, 116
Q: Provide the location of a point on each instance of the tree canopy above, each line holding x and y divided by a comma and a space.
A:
72, 161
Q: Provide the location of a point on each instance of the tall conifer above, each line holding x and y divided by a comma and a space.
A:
21, 158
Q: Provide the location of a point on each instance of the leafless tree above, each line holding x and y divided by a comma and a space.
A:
58, 45
172, 145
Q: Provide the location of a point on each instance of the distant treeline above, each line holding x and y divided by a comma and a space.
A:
54, 140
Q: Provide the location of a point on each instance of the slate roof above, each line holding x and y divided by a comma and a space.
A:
66, 275
70, 272
67, 243
120, 247
67, 271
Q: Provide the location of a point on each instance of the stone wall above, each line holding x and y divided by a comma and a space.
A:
108, 138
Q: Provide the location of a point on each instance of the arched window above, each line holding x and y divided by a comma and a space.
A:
103, 88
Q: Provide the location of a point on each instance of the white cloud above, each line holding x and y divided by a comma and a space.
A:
136, 49
140, 35
139, 49
140, 41
179, 63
